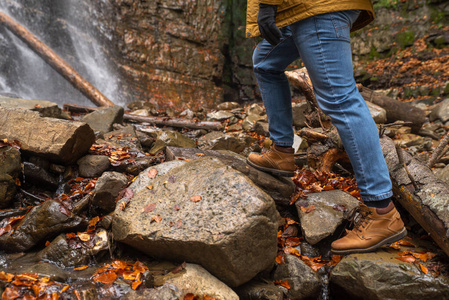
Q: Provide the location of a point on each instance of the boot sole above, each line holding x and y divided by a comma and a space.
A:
396, 237
271, 171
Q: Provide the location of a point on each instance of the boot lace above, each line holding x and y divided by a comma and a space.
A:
358, 218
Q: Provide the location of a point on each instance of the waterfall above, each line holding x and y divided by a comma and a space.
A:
71, 28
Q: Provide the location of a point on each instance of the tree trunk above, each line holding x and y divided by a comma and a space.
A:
427, 204
56, 62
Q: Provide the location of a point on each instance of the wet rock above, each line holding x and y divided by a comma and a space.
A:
57, 140
103, 119
43, 107
255, 109
188, 114
9, 171
380, 275
125, 137
440, 112
107, 189
75, 254
235, 127
249, 121
220, 115
280, 188
304, 282
255, 290
93, 165
217, 140
38, 176
41, 223
140, 112
328, 213
299, 110
160, 293
196, 280
192, 214
378, 113
144, 139
228, 106
135, 165
164, 138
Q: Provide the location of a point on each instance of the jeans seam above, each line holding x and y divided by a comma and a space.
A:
271, 50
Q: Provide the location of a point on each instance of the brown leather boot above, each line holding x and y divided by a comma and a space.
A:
373, 228
274, 162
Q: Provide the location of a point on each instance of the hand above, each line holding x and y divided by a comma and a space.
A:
267, 23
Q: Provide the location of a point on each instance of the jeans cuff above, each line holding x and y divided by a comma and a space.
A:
367, 198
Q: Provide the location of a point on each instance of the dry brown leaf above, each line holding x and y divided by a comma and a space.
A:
157, 218
292, 241
195, 198
65, 289
308, 209
149, 208
423, 269
152, 173
136, 284
81, 268
107, 277
406, 258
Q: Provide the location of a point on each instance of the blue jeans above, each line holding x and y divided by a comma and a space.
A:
323, 44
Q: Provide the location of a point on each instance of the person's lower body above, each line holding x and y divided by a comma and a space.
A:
323, 44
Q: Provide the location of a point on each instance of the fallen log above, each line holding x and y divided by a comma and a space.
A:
427, 204
396, 110
162, 121
56, 62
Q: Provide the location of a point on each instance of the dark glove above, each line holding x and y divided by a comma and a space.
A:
267, 23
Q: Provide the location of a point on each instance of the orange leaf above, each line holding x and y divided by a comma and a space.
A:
130, 276
9, 293
150, 187
157, 218
84, 237
81, 268
308, 209
285, 284
65, 289
424, 269
292, 242
8, 277
406, 258
107, 277
405, 243
292, 251
136, 284
424, 256
94, 221
139, 267
5, 229
189, 296
119, 264
195, 198
280, 259
77, 294
152, 173
207, 297
200, 154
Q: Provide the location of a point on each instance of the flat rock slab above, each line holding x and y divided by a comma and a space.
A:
280, 188
43, 107
322, 221
57, 140
203, 212
380, 275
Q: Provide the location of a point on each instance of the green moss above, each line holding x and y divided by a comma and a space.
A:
405, 39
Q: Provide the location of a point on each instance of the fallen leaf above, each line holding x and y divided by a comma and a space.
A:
207, 297
150, 187
77, 294
189, 296
292, 241
8, 277
93, 222
107, 277
149, 208
200, 154
81, 268
195, 198
405, 243
9, 293
65, 289
285, 284
280, 259
424, 256
152, 173
406, 258
179, 268
423, 269
84, 237
157, 218
5, 229
339, 207
308, 209
292, 251
136, 284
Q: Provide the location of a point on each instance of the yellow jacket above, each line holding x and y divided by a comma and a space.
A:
291, 11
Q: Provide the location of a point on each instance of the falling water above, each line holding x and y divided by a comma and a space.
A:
73, 30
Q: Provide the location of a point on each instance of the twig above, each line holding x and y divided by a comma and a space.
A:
401, 161
437, 153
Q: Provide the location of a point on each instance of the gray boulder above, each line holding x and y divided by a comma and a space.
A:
255, 290
228, 106
440, 111
9, 170
220, 115
329, 213
299, 110
217, 140
103, 119
207, 213
43, 107
304, 282
57, 140
378, 113
164, 138
107, 189
381, 276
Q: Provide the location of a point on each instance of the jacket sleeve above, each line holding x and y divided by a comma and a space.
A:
271, 2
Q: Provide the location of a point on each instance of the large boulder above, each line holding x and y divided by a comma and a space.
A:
381, 276
203, 212
103, 119
9, 170
57, 140
107, 189
44, 107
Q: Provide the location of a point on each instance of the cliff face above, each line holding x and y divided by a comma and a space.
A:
183, 53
